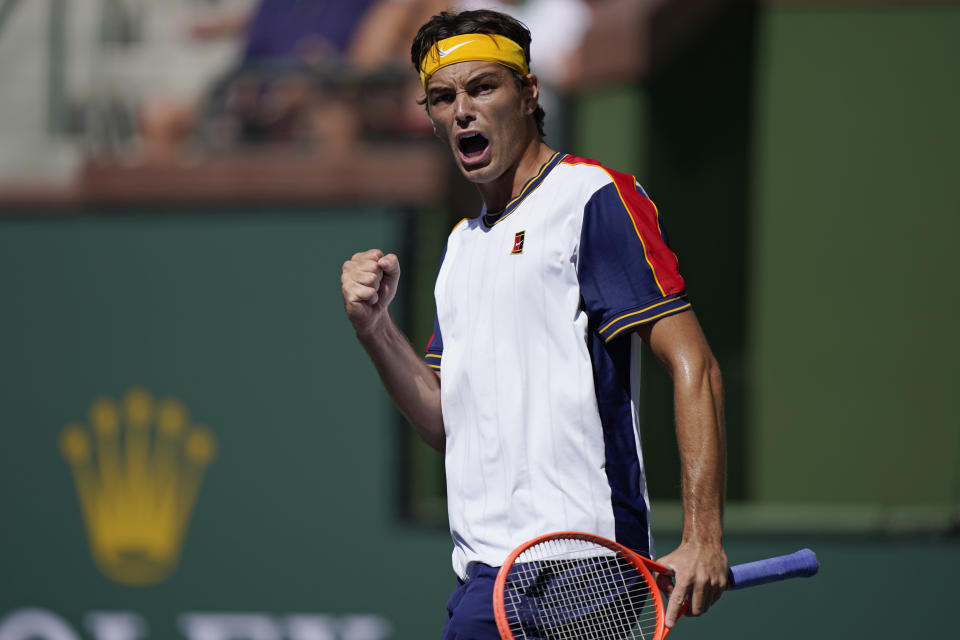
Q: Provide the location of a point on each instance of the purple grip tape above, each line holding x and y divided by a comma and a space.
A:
801, 564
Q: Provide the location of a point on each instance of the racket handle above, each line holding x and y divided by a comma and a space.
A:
801, 564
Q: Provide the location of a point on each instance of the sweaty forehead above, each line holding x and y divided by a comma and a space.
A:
459, 74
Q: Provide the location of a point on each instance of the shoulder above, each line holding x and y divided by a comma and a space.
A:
462, 233
595, 170
596, 176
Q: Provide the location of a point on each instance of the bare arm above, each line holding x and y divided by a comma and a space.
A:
699, 563
369, 283
383, 34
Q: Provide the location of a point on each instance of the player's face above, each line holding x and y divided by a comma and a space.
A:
479, 110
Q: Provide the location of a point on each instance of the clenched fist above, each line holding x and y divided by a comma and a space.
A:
369, 283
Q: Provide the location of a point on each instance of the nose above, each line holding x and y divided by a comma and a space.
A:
464, 109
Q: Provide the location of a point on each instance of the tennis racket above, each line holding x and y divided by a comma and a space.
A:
578, 586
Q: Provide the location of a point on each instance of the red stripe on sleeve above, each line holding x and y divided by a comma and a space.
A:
646, 220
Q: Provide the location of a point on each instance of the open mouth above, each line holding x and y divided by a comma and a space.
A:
472, 146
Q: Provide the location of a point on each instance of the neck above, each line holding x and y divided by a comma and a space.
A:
498, 193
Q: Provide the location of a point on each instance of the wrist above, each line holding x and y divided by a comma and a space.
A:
703, 542
370, 333
702, 529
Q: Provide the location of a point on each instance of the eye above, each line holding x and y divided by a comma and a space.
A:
438, 98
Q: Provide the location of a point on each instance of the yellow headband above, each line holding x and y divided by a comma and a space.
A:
489, 47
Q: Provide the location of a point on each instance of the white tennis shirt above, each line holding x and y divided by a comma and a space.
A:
539, 365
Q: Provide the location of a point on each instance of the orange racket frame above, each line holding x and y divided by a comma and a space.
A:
644, 566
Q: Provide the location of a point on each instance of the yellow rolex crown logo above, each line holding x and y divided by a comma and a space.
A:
137, 471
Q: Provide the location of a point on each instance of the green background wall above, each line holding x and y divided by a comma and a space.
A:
853, 348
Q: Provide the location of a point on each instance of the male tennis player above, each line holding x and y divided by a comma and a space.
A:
530, 380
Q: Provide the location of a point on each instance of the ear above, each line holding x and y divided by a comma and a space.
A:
531, 94
433, 123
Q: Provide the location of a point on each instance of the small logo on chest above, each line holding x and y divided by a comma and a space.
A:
518, 243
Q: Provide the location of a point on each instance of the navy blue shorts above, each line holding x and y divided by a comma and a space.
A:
470, 608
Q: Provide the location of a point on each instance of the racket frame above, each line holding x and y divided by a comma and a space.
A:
645, 566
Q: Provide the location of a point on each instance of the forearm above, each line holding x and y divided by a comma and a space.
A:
413, 386
699, 563
698, 401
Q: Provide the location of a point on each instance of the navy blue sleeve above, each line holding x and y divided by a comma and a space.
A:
435, 344
628, 274
435, 347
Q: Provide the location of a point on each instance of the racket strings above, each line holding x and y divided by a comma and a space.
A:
577, 590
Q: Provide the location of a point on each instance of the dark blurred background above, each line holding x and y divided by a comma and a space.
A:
194, 446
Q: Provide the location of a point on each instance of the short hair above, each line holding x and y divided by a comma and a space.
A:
446, 25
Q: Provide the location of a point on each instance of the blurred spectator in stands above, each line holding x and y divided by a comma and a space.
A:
299, 79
